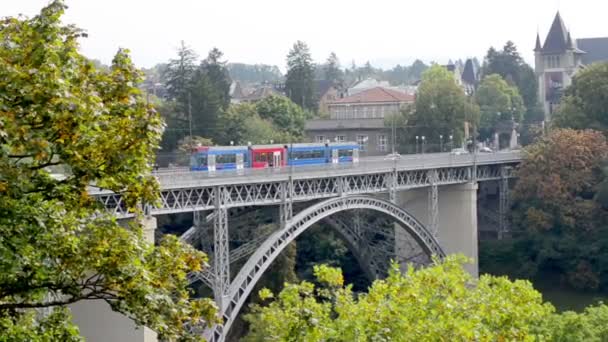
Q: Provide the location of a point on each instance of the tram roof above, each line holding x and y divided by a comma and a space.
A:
343, 144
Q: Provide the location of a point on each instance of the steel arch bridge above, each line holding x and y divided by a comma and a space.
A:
233, 296
341, 186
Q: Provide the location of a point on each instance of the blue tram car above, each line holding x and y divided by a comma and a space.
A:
215, 158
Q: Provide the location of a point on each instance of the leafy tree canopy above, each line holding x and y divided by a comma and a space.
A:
243, 123
441, 107
441, 302
498, 102
564, 227
509, 64
585, 104
57, 245
284, 114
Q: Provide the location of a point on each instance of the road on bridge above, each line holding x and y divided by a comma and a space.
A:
170, 178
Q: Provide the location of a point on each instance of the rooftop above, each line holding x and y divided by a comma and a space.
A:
376, 95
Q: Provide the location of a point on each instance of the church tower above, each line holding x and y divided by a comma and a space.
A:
555, 61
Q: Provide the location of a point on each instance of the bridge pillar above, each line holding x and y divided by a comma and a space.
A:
457, 219
503, 205
221, 255
98, 323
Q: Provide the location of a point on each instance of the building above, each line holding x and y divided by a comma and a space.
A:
360, 118
261, 93
326, 92
470, 77
455, 69
558, 60
236, 92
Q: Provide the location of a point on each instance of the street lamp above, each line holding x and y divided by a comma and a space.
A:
451, 142
422, 147
416, 150
440, 142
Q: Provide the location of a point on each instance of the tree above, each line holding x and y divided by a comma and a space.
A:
509, 64
498, 102
178, 76
288, 117
585, 103
58, 245
332, 69
440, 302
300, 75
556, 209
241, 124
441, 108
257, 73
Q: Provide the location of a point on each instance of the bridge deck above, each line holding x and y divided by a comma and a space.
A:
184, 191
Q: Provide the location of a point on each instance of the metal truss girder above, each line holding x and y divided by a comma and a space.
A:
433, 207
221, 253
250, 273
274, 192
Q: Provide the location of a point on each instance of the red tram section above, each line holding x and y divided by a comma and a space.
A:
268, 156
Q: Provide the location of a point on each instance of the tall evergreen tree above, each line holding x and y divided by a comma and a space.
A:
210, 94
300, 74
332, 69
178, 75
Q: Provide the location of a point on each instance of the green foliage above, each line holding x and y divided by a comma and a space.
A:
300, 75
332, 70
194, 93
584, 104
257, 73
57, 245
439, 303
587, 326
274, 118
509, 64
441, 107
498, 102
555, 208
284, 114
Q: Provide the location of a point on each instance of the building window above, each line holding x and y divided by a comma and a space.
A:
340, 138
381, 142
320, 138
362, 141
553, 61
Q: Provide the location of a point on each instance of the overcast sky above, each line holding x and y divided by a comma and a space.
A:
385, 32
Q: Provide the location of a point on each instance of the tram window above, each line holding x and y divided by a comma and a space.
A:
345, 153
201, 159
307, 154
260, 157
225, 158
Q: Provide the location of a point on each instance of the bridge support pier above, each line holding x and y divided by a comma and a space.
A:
98, 323
221, 252
503, 205
457, 219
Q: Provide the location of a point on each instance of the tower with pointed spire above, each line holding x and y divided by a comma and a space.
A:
556, 61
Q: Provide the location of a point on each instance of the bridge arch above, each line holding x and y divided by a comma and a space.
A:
262, 258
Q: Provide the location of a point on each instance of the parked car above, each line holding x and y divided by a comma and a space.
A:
485, 149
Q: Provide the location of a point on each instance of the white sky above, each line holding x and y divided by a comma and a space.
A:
386, 32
